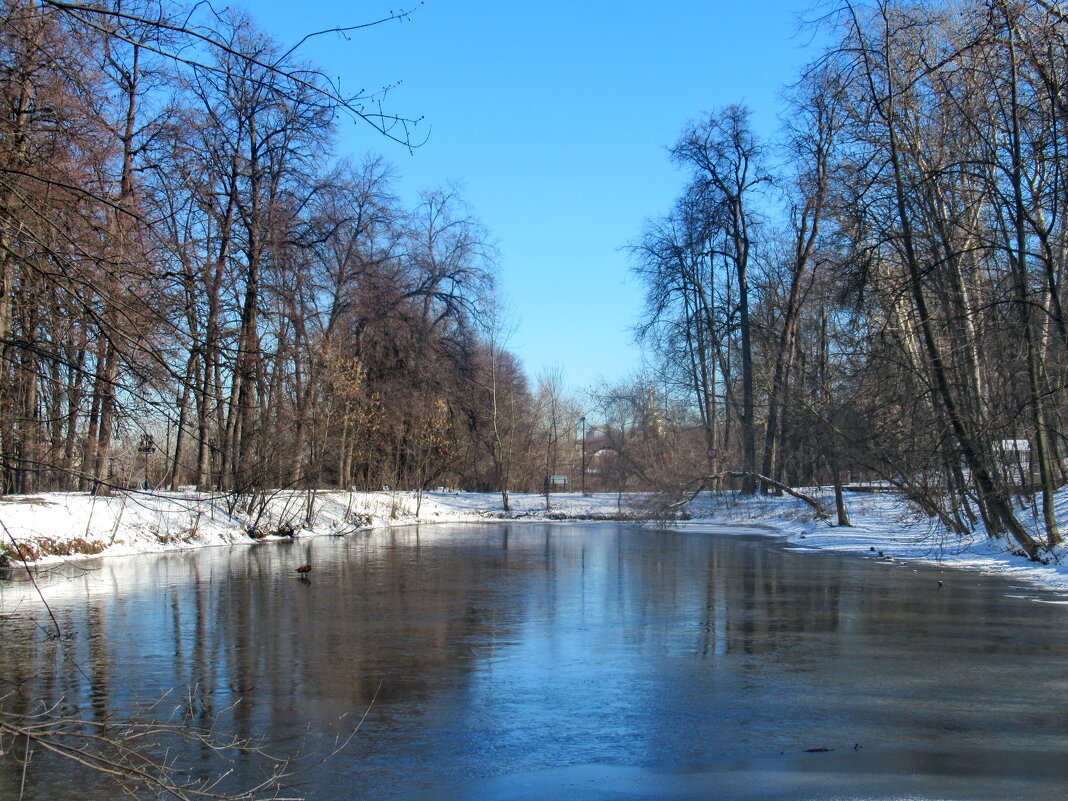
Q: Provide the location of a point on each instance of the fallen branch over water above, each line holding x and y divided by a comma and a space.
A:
692, 489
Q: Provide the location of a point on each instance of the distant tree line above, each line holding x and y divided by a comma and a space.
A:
881, 293
191, 277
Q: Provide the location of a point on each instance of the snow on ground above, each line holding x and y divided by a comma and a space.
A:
885, 526
51, 527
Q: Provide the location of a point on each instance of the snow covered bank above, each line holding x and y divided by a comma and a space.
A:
884, 526
51, 526
55, 526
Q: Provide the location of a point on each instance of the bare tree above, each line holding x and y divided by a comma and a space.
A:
812, 131
727, 163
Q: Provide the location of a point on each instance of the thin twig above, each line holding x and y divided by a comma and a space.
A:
33, 580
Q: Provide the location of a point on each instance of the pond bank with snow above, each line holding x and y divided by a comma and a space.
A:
50, 527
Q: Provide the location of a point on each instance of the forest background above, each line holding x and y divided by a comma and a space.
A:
198, 291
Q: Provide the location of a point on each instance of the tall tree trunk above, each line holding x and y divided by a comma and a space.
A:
1018, 261
741, 245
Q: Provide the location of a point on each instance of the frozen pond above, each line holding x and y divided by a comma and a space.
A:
562, 661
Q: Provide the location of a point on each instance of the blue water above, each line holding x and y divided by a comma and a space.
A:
557, 661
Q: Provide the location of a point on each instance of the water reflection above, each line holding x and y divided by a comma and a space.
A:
534, 660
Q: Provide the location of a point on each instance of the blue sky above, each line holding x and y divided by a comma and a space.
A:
555, 117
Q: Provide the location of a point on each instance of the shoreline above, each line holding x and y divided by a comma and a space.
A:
57, 528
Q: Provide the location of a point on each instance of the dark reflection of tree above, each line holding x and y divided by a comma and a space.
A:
99, 664
375, 624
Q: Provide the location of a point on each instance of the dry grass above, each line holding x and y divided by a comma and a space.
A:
32, 550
